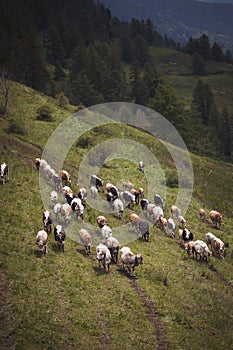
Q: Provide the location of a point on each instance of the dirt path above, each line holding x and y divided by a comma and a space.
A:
152, 314
220, 276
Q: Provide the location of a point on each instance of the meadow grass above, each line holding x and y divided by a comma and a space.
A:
66, 301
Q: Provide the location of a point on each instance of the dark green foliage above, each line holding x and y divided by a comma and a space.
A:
44, 113
15, 128
58, 72
198, 64
217, 53
202, 101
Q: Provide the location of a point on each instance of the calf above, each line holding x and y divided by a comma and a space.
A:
103, 255
188, 246
59, 236
130, 259
4, 173
181, 221
85, 238
47, 221
216, 217
41, 241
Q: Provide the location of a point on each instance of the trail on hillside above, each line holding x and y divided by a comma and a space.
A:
150, 308
152, 313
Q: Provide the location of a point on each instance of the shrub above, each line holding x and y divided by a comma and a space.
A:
16, 129
44, 113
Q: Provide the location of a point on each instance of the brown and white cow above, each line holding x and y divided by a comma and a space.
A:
65, 177
216, 217
202, 214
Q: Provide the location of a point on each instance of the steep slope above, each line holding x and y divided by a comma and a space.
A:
65, 300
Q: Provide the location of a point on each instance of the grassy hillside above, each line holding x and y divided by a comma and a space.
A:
176, 68
65, 301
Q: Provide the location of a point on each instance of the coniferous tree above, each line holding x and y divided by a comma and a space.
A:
126, 48
198, 64
140, 52
217, 53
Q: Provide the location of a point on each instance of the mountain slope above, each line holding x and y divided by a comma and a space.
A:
181, 19
68, 301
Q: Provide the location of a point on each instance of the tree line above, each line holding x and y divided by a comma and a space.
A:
77, 49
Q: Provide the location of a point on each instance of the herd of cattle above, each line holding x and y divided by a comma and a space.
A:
73, 205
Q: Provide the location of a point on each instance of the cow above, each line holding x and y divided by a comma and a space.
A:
57, 211
82, 194
97, 182
141, 166
156, 214
136, 194
59, 236
144, 203
77, 207
54, 197
37, 163
171, 226
163, 224
128, 198
106, 232
188, 246
94, 191
181, 221
69, 198
4, 173
118, 207
127, 185
134, 220
65, 177
65, 213
85, 238
56, 181
202, 214
216, 217
103, 255
217, 245
101, 221
175, 211
149, 210
41, 241
47, 221
130, 259
200, 248
144, 230
159, 201
185, 235
113, 246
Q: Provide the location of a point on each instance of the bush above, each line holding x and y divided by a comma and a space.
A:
16, 129
44, 113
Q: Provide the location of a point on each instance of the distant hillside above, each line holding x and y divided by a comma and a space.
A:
181, 19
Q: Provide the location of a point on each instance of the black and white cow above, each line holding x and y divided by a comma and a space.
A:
97, 182
59, 236
159, 201
47, 221
4, 173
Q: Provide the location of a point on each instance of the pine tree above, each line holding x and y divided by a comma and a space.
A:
198, 64
217, 53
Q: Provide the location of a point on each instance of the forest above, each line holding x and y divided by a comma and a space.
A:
77, 49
